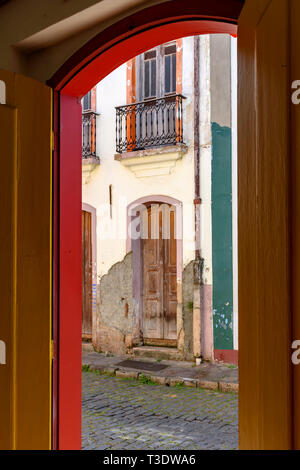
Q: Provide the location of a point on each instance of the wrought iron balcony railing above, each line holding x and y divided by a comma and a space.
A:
151, 123
89, 134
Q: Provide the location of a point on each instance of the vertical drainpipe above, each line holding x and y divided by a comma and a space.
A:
197, 203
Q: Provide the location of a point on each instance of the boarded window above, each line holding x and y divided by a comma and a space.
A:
150, 74
87, 102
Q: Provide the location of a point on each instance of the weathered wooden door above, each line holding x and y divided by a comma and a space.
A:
159, 275
170, 281
265, 408
25, 263
86, 274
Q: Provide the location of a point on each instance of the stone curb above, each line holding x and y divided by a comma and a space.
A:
225, 387
229, 387
127, 375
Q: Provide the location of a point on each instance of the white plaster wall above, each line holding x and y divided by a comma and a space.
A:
234, 189
126, 187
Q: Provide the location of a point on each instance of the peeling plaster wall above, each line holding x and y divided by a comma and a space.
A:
114, 310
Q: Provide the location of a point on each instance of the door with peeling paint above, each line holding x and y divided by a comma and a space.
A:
159, 275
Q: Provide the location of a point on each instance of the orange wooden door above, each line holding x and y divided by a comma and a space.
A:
25, 266
159, 276
152, 279
265, 413
86, 274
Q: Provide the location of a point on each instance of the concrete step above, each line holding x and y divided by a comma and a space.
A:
157, 352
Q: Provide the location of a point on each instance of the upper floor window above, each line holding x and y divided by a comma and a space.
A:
150, 74
156, 72
89, 114
153, 116
87, 102
170, 68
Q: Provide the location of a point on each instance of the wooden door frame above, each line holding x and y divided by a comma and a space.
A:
136, 246
100, 56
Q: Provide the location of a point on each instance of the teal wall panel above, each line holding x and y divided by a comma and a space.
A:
222, 237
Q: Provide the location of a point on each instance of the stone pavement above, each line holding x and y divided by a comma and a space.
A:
124, 414
211, 376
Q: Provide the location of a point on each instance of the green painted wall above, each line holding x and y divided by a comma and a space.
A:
222, 237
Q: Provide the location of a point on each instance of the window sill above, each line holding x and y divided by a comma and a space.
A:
155, 161
88, 166
91, 161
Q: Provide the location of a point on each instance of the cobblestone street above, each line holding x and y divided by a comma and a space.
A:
126, 414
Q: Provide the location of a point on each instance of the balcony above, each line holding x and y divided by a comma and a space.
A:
89, 154
149, 135
90, 160
151, 123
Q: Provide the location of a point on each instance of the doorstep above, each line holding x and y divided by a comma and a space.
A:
157, 352
218, 377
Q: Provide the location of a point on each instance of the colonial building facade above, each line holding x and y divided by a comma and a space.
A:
159, 247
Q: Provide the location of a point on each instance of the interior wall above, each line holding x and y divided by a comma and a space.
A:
54, 30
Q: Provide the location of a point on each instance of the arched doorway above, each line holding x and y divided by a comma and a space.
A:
79, 74
156, 211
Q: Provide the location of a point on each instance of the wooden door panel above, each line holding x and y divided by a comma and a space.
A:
264, 271
25, 267
153, 253
170, 280
8, 158
295, 197
152, 280
170, 311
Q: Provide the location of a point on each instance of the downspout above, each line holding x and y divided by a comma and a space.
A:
197, 200
197, 207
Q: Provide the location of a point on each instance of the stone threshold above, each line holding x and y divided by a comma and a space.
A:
218, 379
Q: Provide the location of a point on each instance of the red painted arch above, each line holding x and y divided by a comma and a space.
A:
139, 32
91, 63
